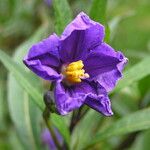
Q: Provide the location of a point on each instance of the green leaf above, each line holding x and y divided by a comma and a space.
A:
22, 111
59, 123
13, 140
135, 74
115, 22
143, 86
63, 14
85, 129
98, 11
141, 141
136, 54
131, 123
26, 122
23, 78
126, 101
2, 106
22, 50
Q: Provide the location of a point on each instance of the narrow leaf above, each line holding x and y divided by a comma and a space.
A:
2, 106
23, 78
98, 11
60, 124
26, 122
131, 123
85, 129
19, 107
115, 22
135, 74
63, 14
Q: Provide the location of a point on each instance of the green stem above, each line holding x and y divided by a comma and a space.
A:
77, 116
46, 115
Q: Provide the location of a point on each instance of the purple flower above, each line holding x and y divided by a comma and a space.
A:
83, 67
48, 140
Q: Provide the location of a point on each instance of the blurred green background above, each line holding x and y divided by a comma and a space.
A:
129, 23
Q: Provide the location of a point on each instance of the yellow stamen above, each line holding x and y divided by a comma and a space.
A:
74, 72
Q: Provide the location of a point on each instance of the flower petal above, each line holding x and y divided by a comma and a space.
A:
99, 100
92, 94
43, 58
81, 35
67, 98
101, 104
105, 65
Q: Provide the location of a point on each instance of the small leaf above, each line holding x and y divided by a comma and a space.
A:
131, 123
63, 14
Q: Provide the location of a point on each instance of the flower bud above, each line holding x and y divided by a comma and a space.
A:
49, 101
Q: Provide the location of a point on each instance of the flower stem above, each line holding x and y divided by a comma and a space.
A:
46, 115
76, 117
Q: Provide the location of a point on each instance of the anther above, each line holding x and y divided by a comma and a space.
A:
74, 72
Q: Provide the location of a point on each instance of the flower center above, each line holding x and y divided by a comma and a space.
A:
74, 72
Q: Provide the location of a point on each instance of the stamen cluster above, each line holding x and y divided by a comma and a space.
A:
74, 72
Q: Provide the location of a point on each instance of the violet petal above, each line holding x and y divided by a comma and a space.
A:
43, 58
